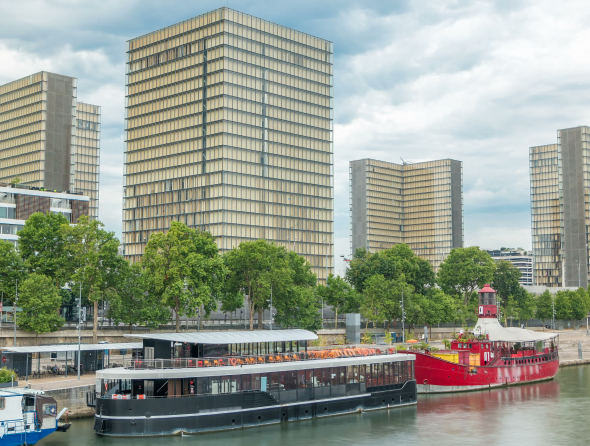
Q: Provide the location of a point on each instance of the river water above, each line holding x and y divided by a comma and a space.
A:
554, 412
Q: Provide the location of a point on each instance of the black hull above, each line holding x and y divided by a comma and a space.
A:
169, 416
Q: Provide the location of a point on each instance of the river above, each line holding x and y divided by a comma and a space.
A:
554, 412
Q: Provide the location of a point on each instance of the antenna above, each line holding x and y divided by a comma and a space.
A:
403, 162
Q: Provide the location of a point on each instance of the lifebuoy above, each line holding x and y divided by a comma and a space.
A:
233, 361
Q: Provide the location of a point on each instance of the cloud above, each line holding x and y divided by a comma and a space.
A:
478, 81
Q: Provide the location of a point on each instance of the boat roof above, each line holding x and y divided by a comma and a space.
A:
492, 327
125, 373
231, 337
73, 347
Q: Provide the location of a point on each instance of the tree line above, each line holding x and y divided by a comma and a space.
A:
182, 273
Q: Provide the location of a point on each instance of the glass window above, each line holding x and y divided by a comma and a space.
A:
2, 403
301, 379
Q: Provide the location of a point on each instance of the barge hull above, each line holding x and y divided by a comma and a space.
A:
153, 422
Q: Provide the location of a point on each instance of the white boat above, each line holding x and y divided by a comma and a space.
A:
27, 416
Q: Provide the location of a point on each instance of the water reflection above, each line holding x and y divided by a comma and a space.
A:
551, 412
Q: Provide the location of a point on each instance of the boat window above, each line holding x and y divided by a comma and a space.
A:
49, 410
309, 378
334, 376
342, 372
247, 382
256, 381
361, 373
301, 379
470, 345
215, 385
274, 382
291, 379
2, 403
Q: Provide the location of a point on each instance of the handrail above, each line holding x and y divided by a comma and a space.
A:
183, 363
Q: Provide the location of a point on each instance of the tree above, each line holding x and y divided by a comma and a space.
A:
376, 291
465, 270
339, 295
505, 279
42, 246
40, 301
300, 310
544, 306
253, 268
131, 304
562, 305
578, 304
93, 254
184, 270
391, 264
11, 269
438, 307
526, 306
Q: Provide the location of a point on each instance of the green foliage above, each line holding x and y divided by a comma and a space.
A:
464, 270
544, 306
299, 308
184, 270
505, 279
388, 338
132, 304
447, 344
391, 264
366, 338
42, 245
563, 310
94, 261
11, 269
339, 295
40, 301
526, 306
7, 376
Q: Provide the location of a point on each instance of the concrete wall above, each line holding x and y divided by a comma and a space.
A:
358, 185
74, 399
58, 145
574, 218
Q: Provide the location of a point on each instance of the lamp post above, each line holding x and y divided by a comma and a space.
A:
403, 319
271, 319
15, 303
79, 327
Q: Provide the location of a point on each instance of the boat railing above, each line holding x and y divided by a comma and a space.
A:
224, 361
27, 424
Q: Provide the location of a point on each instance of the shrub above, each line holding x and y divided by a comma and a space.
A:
7, 375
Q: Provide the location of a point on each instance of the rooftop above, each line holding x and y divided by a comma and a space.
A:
231, 337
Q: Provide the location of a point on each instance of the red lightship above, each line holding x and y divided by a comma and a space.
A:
491, 356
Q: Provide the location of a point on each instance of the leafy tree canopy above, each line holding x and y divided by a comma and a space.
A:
40, 301
11, 269
465, 270
184, 270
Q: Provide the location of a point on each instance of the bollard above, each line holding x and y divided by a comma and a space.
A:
579, 349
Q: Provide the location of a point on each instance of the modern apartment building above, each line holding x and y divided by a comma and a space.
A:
560, 209
229, 130
418, 204
18, 203
521, 259
47, 139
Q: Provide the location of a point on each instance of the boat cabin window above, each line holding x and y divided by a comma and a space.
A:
2, 403
49, 410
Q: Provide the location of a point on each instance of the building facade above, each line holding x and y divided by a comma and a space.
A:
418, 204
560, 209
39, 132
523, 260
17, 204
229, 130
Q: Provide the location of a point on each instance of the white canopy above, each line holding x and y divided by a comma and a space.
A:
73, 347
492, 327
231, 337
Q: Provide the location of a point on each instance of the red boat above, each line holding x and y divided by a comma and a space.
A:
491, 356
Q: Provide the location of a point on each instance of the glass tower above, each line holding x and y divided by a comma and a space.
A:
418, 204
560, 215
229, 130
38, 136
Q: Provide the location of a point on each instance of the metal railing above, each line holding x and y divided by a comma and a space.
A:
184, 363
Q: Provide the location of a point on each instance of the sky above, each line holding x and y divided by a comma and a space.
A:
476, 81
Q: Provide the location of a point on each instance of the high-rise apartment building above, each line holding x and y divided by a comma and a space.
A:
560, 209
229, 130
39, 128
419, 204
520, 259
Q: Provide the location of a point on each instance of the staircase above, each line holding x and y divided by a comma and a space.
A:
258, 399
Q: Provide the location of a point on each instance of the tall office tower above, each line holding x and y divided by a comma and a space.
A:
87, 168
560, 209
418, 204
229, 130
38, 131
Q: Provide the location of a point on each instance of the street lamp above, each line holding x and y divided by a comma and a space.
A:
403, 319
79, 327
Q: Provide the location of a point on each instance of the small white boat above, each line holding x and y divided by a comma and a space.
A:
27, 416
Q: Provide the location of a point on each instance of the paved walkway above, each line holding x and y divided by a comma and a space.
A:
55, 383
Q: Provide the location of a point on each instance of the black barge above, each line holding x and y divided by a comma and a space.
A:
202, 382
